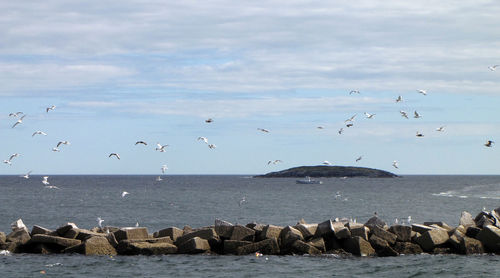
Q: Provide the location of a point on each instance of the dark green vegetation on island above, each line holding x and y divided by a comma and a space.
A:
329, 172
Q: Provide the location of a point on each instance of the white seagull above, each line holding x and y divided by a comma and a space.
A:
55, 149
114, 154
423, 92
27, 175
14, 155
354, 92
20, 121
164, 168
50, 108
159, 178
160, 148
359, 158
416, 115
419, 134
341, 130
212, 146
399, 99
274, 162
351, 119
141, 142
494, 67
204, 139
369, 116
441, 128
263, 130
395, 164
15, 114
7, 162
124, 193
39, 132
243, 200
326, 162
99, 221
45, 180
403, 114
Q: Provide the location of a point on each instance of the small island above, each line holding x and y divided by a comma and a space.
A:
329, 172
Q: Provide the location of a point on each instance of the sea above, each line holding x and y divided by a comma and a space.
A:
197, 201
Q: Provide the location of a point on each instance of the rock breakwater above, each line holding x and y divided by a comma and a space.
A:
340, 236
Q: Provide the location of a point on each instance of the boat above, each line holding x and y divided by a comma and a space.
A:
308, 180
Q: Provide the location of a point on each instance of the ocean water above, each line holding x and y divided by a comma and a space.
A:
197, 200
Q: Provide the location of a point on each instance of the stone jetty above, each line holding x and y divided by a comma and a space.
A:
340, 236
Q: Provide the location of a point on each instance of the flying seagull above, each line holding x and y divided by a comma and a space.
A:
416, 115
489, 143
160, 148
395, 164
320, 127
55, 149
369, 116
141, 142
212, 146
341, 130
354, 92
27, 175
359, 158
403, 114
209, 120
14, 155
7, 162
423, 92
15, 114
441, 128
45, 180
50, 108
20, 121
63, 143
124, 193
243, 200
164, 168
114, 154
351, 119
399, 99
204, 139
39, 132
494, 67
349, 124
274, 162
419, 134
263, 130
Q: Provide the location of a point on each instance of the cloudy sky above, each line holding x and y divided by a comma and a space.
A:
122, 71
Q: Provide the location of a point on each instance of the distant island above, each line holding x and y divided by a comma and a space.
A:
329, 172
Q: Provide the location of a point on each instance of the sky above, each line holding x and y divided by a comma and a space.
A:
123, 71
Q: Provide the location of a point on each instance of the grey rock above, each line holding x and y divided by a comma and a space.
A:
359, 230
131, 233
382, 247
403, 233
223, 228
242, 233
270, 231
40, 230
385, 235
419, 228
194, 245
93, 246
466, 219
20, 236
231, 246
126, 247
318, 243
57, 240
470, 246
432, 239
208, 234
375, 221
359, 247
472, 231
288, 236
173, 232
65, 228
407, 248
490, 237
268, 247
325, 229
300, 247
307, 230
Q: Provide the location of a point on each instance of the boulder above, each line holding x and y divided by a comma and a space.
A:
466, 219
112, 240
472, 231
441, 251
268, 247
166, 239
3, 238
288, 236
208, 234
20, 236
270, 231
455, 240
407, 248
41, 248
375, 221
307, 230
490, 237
419, 228
432, 239
173, 232
242, 233
300, 247
359, 230
325, 229
385, 235
439, 224
484, 220
340, 231
131, 233
71, 233
84, 234
64, 228
231, 246
126, 247
403, 233
187, 230
57, 240
40, 230
470, 246
97, 245
359, 247
223, 228
319, 243
194, 245
382, 247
